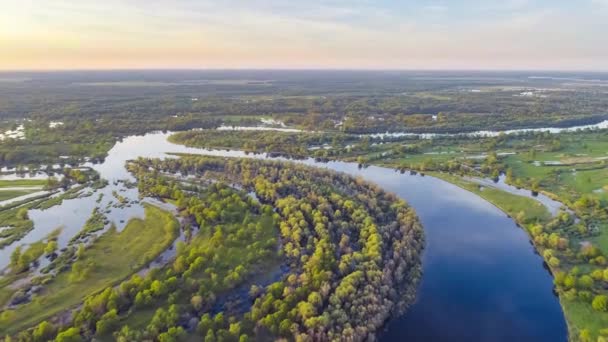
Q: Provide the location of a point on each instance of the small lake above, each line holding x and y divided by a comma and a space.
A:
482, 279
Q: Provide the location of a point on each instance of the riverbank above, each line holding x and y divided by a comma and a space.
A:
578, 315
584, 322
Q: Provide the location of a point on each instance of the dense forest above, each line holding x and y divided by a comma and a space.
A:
347, 256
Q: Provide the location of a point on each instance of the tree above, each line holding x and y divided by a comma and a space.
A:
43, 332
605, 275
70, 335
585, 336
569, 281
585, 282
235, 329
597, 275
197, 302
218, 320
210, 336
174, 334
22, 214
205, 324
509, 177
16, 256
51, 247
600, 303
553, 261
306, 310
315, 299
107, 322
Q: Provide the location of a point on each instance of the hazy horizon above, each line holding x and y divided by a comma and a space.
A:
319, 35
328, 69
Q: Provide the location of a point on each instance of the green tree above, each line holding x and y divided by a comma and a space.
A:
107, 322
43, 332
70, 335
197, 302
600, 303
51, 247
585, 282
553, 261
22, 214
210, 336
585, 335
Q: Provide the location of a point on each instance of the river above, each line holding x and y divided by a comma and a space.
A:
482, 279
485, 134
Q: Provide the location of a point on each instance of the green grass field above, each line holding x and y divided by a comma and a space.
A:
581, 314
9, 188
511, 204
10, 194
22, 182
113, 257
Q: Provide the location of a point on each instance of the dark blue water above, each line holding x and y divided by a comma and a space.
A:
482, 279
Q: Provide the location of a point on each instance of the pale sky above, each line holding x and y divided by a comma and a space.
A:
343, 34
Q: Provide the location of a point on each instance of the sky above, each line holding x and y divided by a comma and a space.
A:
311, 34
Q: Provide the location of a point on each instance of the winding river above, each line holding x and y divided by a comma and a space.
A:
482, 279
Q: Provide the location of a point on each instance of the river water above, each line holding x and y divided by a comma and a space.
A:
487, 134
480, 134
482, 279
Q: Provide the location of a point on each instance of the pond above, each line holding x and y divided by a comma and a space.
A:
482, 278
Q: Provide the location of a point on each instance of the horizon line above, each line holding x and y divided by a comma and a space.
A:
505, 70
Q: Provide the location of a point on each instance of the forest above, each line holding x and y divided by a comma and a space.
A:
347, 256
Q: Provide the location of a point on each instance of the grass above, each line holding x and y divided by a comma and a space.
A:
22, 182
7, 292
511, 204
10, 194
581, 314
111, 258
573, 180
5, 295
95, 223
18, 227
8, 188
